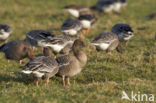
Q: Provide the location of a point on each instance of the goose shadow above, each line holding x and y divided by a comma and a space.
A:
20, 77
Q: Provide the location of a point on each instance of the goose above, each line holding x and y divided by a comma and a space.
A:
71, 27
43, 67
71, 65
59, 44
77, 10
5, 33
123, 31
87, 21
105, 6
107, 41
16, 50
35, 37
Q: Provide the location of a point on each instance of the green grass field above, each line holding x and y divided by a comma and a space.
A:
104, 77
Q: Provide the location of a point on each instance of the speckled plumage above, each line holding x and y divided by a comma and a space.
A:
35, 37
59, 43
106, 41
71, 27
42, 67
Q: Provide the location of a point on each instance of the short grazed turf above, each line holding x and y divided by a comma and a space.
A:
104, 77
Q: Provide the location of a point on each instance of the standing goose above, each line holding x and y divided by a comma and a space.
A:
70, 65
77, 10
71, 27
107, 41
87, 21
123, 31
35, 37
59, 44
17, 50
41, 67
5, 33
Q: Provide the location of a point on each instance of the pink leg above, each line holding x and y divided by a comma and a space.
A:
20, 61
124, 8
33, 48
8, 61
47, 82
126, 43
37, 80
68, 81
42, 49
63, 82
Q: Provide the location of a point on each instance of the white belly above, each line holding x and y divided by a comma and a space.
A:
117, 6
86, 24
38, 74
4, 35
57, 48
108, 9
104, 46
74, 12
70, 32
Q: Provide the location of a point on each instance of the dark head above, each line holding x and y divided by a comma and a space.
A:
123, 30
5, 28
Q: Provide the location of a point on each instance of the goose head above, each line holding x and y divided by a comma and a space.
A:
123, 31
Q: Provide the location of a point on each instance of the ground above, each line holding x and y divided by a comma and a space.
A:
104, 77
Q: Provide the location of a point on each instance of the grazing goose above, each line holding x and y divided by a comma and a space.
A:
123, 31
77, 10
87, 21
41, 67
17, 50
35, 37
107, 41
59, 44
5, 33
105, 6
71, 27
70, 65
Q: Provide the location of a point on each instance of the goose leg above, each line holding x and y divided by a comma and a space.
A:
124, 8
68, 81
126, 43
47, 81
20, 61
88, 29
63, 82
37, 80
8, 61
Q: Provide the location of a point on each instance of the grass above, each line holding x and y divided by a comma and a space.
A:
104, 77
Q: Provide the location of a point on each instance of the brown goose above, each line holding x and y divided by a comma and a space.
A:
42, 67
70, 65
17, 50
